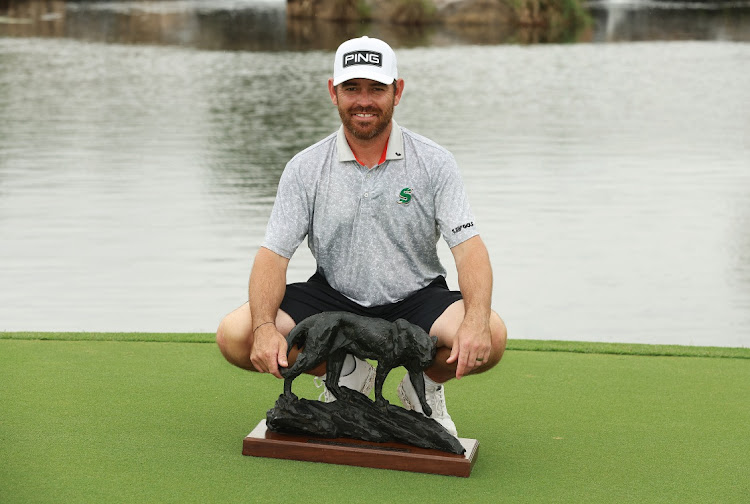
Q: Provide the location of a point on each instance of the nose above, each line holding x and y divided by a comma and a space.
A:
364, 98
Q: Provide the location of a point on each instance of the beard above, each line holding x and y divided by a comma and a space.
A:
375, 127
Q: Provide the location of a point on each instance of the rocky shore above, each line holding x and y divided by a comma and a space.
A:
549, 14
303, 24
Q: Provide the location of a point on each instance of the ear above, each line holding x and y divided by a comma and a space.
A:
332, 92
399, 91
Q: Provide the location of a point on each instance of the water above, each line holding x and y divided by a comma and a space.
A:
611, 181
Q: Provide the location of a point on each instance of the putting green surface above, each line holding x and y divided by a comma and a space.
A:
142, 418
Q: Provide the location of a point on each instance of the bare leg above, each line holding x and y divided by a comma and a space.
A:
445, 328
235, 338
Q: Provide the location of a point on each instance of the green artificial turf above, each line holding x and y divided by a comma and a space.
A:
140, 418
530, 345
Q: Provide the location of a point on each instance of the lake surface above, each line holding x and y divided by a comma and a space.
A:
610, 177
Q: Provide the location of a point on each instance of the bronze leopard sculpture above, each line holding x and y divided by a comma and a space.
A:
329, 336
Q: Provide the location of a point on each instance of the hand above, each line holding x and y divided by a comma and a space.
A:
269, 350
471, 347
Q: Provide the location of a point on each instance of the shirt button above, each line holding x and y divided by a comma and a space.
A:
367, 195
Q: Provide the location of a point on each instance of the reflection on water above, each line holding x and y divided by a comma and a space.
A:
639, 20
262, 25
610, 181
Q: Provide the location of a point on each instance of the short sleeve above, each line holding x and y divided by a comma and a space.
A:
290, 217
453, 214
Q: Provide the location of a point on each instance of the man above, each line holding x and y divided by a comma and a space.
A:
373, 200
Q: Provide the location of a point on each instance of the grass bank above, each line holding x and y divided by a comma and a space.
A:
513, 344
104, 417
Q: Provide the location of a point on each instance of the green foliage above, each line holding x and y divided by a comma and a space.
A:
364, 9
575, 14
413, 12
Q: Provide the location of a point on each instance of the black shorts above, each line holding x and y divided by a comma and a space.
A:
315, 296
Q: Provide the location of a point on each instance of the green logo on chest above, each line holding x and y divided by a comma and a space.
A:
404, 196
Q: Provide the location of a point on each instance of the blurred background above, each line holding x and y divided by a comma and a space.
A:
607, 160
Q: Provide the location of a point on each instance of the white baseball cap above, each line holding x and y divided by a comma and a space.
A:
365, 58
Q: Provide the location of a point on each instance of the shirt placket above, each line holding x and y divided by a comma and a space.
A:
364, 208
369, 193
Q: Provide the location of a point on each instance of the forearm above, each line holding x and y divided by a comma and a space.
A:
471, 344
267, 286
475, 280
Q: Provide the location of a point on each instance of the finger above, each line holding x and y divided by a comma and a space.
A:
283, 362
453, 356
477, 359
256, 362
471, 362
273, 368
459, 371
461, 368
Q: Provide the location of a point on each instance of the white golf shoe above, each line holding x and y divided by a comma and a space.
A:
435, 395
362, 379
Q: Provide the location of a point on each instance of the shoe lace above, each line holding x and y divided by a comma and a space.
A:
437, 402
319, 381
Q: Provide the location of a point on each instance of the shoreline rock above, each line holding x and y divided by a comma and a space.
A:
553, 14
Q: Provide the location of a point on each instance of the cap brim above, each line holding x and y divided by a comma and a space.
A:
360, 74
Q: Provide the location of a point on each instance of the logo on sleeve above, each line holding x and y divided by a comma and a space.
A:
363, 58
404, 197
462, 226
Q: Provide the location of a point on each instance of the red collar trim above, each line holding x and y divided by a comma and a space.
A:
382, 156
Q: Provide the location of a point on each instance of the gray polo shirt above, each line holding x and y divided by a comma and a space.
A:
373, 232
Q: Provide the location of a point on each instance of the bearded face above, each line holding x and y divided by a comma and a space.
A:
365, 108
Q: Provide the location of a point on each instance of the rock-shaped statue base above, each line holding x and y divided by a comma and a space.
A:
355, 416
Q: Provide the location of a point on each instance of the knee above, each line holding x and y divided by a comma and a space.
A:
499, 338
234, 344
234, 330
230, 336
221, 337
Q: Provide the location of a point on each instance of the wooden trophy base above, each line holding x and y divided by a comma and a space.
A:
262, 442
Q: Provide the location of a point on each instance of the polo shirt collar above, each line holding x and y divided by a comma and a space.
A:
395, 145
